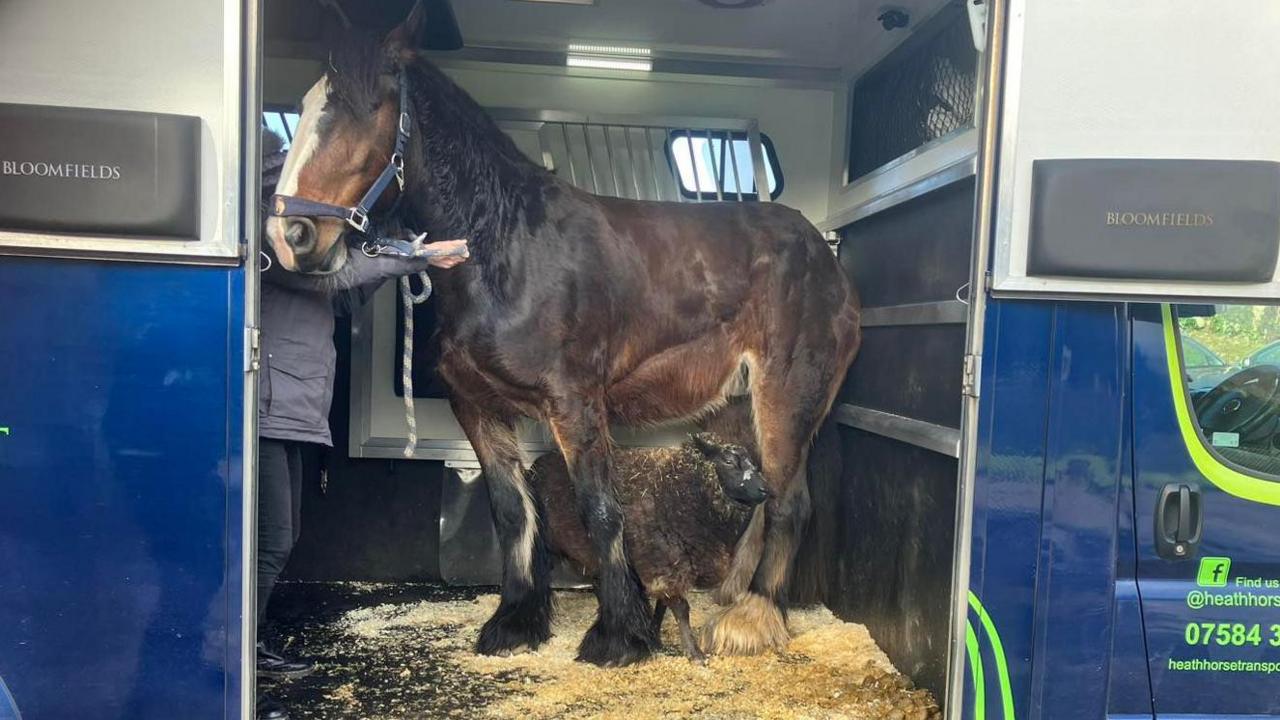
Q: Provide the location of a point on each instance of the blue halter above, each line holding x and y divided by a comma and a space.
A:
357, 216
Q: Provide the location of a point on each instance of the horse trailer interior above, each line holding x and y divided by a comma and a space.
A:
889, 176
977, 542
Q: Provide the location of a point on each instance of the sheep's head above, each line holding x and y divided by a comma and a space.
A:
739, 477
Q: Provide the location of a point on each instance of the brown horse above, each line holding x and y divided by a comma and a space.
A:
582, 311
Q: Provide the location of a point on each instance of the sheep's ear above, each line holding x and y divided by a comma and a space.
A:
705, 442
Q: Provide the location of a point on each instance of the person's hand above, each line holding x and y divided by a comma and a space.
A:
447, 253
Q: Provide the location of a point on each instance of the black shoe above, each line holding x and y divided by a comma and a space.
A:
274, 666
269, 709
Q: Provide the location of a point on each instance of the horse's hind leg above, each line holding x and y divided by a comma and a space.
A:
622, 633
746, 556
523, 617
735, 423
789, 403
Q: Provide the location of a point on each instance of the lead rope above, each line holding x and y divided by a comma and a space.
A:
407, 300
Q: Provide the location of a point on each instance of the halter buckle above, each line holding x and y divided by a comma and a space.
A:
358, 218
397, 161
404, 124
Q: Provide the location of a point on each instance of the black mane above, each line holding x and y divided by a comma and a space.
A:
465, 177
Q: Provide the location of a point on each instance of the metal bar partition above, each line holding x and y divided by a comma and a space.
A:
716, 176
647, 180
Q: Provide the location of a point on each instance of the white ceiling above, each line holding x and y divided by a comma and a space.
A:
827, 34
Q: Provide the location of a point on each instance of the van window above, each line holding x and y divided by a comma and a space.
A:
1230, 357
703, 164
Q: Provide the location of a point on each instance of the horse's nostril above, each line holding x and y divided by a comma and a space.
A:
301, 235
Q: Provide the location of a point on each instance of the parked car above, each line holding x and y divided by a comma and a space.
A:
1265, 355
1204, 367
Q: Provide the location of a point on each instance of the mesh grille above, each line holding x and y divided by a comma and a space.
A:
923, 90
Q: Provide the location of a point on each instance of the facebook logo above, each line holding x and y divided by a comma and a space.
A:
1214, 572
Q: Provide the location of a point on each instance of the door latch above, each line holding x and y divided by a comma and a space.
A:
252, 349
1179, 521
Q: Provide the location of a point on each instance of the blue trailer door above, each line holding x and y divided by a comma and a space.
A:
121, 458
1207, 484
125, 386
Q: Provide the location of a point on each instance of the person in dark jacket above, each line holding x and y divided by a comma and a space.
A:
295, 389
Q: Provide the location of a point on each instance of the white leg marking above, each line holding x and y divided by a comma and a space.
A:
524, 547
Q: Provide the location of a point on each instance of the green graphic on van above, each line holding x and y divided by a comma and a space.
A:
1214, 572
977, 671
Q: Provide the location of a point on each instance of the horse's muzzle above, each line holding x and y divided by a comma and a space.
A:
301, 235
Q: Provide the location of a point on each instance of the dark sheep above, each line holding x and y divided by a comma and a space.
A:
818, 555
683, 508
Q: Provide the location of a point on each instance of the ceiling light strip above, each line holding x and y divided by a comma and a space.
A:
620, 50
608, 63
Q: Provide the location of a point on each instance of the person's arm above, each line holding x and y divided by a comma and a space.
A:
361, 270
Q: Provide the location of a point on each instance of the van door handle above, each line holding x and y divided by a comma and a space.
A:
1179, 521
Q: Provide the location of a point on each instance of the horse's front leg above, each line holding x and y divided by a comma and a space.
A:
523, 617
622, 633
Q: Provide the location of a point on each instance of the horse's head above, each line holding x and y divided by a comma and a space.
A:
344, 140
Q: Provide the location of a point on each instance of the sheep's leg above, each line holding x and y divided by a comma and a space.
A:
680, 608
621, 634
523, 617
659, 612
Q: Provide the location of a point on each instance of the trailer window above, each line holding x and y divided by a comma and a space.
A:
1230, 360
707, 162
282, 123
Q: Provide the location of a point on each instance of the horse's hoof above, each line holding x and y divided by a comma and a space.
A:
616, 648
753, 625
518, 627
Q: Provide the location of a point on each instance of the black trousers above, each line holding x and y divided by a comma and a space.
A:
279, 511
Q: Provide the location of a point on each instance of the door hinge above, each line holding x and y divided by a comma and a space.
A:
252, 349
971, 383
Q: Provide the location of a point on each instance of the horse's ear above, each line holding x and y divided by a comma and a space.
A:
408, 35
